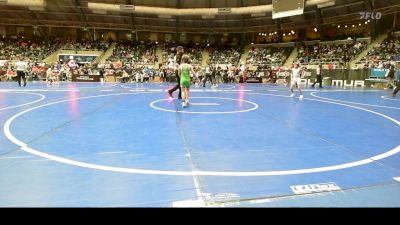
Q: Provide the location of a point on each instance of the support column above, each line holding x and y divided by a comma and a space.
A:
279, 30
320, 25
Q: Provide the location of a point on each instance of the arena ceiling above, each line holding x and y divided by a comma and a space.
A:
75, 13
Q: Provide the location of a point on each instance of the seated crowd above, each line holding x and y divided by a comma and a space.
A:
384, 54
135, 61
134, 53
330, 53
268, 56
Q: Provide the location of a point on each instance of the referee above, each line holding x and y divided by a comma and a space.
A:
319, 77
178, 59
21, 67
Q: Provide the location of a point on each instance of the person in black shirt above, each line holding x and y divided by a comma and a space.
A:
177, 63
102, 77
319, 77
397, 80
390, 78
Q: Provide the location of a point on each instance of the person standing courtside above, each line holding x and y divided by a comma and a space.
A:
390, 78
207, 76
319, 77
397, 80
21, 68
178, 59
296, 80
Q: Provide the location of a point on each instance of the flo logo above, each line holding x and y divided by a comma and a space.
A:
314, 188
370, 15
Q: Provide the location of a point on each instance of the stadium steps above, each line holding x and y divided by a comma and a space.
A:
206, 58
159, 54
291, 58
107, 54
364, 53
245, 55
53, 58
